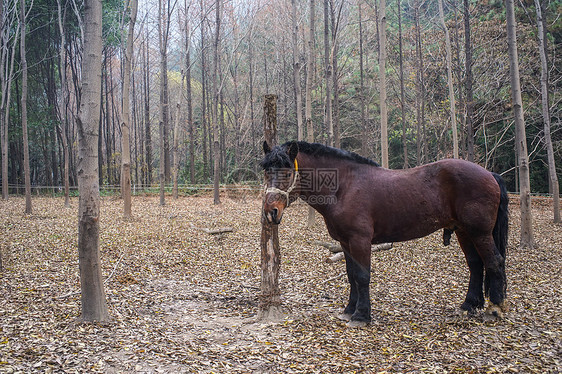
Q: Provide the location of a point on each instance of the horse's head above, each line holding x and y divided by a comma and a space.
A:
281, 174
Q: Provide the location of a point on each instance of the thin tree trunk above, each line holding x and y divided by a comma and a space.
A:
189, 100
3, 125
94, 307
175, 150
420, 94
329, 124
452, 105
270, 297
382, 90
402, 92
308, 99
163, 171
468, 84
216, 93
362, 96
204, 93
297, 72
64, 108
335, 48
527, 239
26, 170
125, 124
148, 134
541, 25
6, 81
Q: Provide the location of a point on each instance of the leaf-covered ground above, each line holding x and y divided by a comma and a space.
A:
182, 300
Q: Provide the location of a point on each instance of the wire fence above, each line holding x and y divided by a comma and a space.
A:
183, 189
140, 189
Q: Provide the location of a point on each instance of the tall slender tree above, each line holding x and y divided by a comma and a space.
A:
188, 95
452, 105
402, 91
362, 93
297, 71
527, 238
468, 83
94, 306
125, 122
146, 95
308, 94
216, 92
382, 89
165, 9
23, 57
329, 124
541, 26
64, 106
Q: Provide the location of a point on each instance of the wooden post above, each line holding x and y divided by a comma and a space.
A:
270, 297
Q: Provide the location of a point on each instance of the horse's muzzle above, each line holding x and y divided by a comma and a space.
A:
273, 215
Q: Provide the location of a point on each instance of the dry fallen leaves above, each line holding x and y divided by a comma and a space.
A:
182, 300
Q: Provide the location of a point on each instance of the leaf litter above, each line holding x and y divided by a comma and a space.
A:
182, 300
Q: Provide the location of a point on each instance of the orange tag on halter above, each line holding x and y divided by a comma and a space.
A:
296, 165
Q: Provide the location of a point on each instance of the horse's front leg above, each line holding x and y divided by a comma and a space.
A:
358, 265
353, 295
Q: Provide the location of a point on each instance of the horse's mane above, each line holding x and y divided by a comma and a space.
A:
317, 149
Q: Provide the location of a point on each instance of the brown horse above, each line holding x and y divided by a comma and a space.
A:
363, 203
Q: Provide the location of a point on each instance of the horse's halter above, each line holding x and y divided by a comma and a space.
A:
290, 189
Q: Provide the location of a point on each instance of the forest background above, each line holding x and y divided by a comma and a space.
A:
184, 104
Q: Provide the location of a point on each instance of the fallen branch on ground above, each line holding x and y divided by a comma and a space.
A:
376, 248
214, 231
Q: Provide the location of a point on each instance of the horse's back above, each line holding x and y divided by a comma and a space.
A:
449, 193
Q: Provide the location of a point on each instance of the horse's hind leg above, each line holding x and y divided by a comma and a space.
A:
494, 263
474, 297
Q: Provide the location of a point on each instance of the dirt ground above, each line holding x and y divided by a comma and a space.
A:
182, 300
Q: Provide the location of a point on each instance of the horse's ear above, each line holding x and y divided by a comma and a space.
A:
266, 148
293, 150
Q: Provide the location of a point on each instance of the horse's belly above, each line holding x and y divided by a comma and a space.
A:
406, 231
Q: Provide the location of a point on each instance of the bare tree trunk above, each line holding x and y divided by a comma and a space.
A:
452, 105
468, 84
216, 93
163, 28
3, 124
527, 239
420, 90
26, 170
125, 124
64, 109
335, 48
329, 124
270, 297
308, 100
94, 307
402, 92
297, 73
382, 90
362, 96
148, 134
541, 25
175, 150
189, 98
204, 92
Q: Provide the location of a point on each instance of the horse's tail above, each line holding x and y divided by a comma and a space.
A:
501, 227
502, 220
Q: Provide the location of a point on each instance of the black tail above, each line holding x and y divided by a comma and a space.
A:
501, 228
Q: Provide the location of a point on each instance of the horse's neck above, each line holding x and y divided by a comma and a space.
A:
327, 174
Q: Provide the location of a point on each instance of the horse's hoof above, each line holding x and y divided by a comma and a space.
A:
344, 317
357, 324
495, 310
